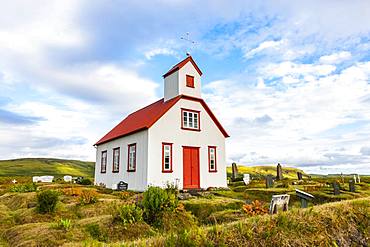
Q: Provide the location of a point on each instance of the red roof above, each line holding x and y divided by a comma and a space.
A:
181, 64
147, 116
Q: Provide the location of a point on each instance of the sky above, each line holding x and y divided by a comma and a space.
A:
289, 80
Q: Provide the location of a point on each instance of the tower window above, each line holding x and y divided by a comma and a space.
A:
190, 81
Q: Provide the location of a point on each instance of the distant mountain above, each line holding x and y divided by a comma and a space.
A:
288, 172
46, 166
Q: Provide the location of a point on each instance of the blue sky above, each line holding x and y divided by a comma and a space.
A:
290, 80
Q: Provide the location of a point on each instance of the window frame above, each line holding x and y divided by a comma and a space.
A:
209, 159
192, 83
171, 153
182, 119
119, 157
128, 157
101, 161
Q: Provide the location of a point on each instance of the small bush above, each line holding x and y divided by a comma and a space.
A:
86, 181
22, 188
255, 208
65, 224
88, 197
47, 201
73, 191
129, 214
124, 195
157, 200
96, 233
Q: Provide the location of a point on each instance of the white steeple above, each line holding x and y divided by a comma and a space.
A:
183, 79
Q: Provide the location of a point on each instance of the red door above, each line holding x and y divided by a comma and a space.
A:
191, 167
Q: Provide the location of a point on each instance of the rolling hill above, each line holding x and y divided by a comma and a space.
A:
288, 172
46, 166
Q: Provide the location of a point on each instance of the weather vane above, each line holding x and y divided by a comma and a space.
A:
192, 42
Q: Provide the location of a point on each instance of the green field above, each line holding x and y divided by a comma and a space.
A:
261, 171
45, 166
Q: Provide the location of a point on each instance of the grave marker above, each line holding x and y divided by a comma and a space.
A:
358, 178
352, 187
300, 175
67, 178
269, 181
304, 196
122, 186
246, 179
336, 188
279, 172
234, 171
279, 200
355, 178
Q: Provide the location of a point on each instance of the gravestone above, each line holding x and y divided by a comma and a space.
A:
246, 179
355, 178
300, 175
234, 171
352, 187
304, 196
67, 178
358, 178
279, 200
269, 182
336, 188
122, 186
279, 172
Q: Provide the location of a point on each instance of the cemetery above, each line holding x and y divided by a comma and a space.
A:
275, 196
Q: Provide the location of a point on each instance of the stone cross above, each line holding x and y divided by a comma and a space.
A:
269, 181
14, 181
336, 188
234, 171
300, 175
352, 187
279, 172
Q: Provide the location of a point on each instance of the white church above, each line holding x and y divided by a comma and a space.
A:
175, 140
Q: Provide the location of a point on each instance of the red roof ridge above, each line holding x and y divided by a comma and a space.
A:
145, 117
181, 64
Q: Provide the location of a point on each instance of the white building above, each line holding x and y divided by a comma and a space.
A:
174, 140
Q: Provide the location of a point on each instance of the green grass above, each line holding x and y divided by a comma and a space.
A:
344, 223
44, 166
261, 171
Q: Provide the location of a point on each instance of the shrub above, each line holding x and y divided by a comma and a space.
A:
128, 214
124, 195
255, 208
22, 188
65, 224
47, 201
96, 233
86, 181
73, 191
88, 197
157, 200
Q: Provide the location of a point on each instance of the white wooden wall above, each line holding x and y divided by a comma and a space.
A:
136, 180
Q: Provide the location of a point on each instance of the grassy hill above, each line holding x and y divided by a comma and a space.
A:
45, 166
288, 172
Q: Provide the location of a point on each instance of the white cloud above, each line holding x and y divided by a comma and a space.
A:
328, 111
263, 46
335, 58
158, 51
294, 72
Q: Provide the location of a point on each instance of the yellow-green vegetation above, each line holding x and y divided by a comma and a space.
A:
44, 166
86, 215
344, 223
261, 171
